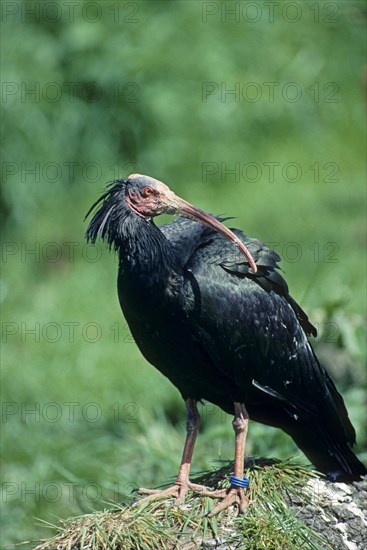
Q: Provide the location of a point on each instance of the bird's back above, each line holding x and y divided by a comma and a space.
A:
255, 335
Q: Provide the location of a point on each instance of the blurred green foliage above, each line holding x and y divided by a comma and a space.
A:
184, 91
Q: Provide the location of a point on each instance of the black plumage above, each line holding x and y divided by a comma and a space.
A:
218, 329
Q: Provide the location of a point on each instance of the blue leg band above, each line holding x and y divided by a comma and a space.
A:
238, 482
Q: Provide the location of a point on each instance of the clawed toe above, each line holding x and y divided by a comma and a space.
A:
177, 491
159, 494
234, 495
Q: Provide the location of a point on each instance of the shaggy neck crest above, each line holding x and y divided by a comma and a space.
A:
136, 239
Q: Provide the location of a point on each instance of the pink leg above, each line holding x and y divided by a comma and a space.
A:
182, 484
235, 495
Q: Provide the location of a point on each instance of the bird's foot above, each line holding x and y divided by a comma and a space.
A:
177, 491
234, 495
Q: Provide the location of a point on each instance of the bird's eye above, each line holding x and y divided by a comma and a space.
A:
147, 191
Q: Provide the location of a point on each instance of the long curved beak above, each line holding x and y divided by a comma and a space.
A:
185, 209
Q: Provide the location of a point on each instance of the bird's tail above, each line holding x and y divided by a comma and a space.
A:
321, 429
333, 457
329, 445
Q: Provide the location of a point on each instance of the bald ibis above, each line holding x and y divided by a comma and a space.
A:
208, 308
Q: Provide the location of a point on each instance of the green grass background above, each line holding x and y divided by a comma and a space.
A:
105, 421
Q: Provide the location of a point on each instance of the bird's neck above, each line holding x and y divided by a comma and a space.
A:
146, 257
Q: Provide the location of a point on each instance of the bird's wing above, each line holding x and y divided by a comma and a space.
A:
198, 246
255, 332
201, 248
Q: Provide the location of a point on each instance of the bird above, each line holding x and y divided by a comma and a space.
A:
208, 307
